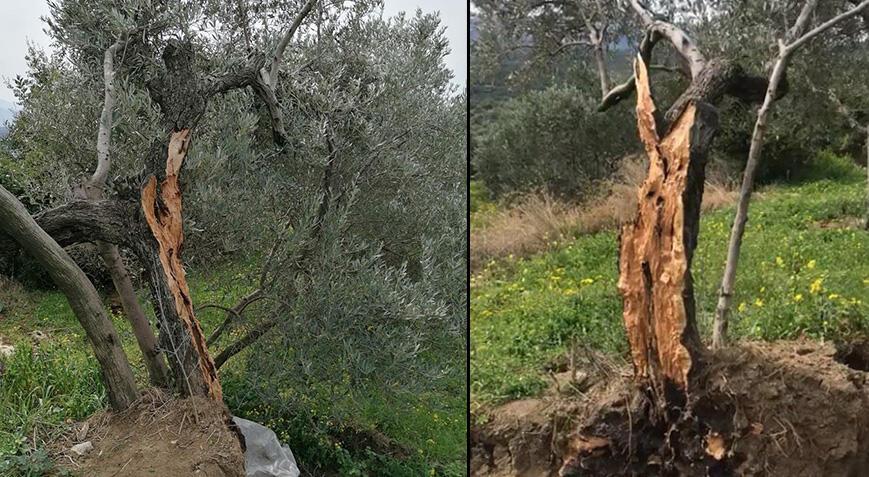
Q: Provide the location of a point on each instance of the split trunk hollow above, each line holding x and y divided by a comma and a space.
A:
183, 337
656, 249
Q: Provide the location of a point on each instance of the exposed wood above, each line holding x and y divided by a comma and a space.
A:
797, 39
656, 249
163, 215
82, 296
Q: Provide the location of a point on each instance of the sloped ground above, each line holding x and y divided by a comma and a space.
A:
158, 436
786, 408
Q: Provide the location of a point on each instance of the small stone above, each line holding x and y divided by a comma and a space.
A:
83, 431
83, 448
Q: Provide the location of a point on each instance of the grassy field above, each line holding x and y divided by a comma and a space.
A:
803, 271
54, 379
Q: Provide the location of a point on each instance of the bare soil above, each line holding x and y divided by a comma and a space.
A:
759, 409
158, 436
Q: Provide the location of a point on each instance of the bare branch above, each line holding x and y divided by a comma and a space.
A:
789, 48
282, 45
93, 187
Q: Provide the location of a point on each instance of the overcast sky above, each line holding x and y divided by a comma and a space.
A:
19, 23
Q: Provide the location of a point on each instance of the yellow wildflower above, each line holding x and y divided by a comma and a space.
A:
833, 296
779, 262
741, 307
816, 286
586, 281
798, 297
811, 264
758, 302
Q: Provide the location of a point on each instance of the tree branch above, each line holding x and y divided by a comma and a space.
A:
789, 48
255, 334
278, 54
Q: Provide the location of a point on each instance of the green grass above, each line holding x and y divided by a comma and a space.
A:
797, 275
49, 382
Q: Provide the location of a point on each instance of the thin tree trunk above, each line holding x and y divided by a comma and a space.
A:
725, 294
153, 358
92, 189
163, 215
82, 296
797, 39
866, 225
601, 68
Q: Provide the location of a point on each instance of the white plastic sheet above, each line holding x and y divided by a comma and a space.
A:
265, 456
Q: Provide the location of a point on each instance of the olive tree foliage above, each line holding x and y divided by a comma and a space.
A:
354, 229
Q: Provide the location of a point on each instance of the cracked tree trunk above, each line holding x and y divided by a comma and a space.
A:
192, 362
656, 249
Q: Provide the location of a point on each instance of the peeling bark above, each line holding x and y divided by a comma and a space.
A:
656, 249
163, 215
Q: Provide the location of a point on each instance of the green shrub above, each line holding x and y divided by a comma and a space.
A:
552, 140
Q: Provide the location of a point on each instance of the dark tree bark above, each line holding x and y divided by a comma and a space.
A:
82, 296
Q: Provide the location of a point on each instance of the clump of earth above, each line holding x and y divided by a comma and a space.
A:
785, 408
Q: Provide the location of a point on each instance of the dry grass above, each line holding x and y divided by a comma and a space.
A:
538, 221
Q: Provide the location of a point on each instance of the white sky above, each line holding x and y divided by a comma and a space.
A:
20, 23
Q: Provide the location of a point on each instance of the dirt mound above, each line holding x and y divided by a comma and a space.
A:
157, 436
787, 408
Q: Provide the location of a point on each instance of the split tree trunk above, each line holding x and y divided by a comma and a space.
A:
656, 249
82, 296
192, 362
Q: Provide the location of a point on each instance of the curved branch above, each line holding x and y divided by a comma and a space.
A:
83, 221
862, 7
232, 313
255, 334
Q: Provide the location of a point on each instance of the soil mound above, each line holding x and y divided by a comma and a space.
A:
786, 408
157, 436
